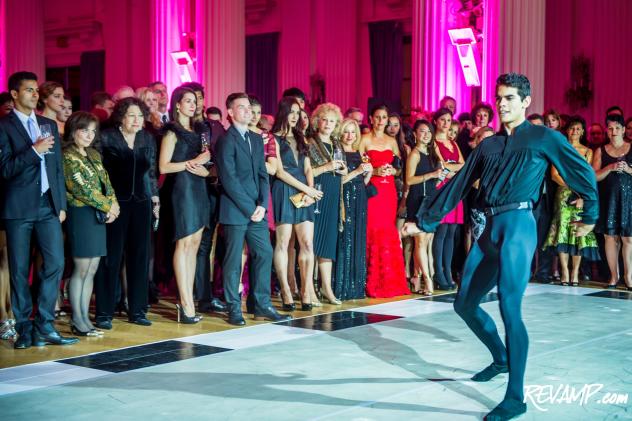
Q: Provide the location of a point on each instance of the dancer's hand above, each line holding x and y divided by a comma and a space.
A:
409, 228
582, 229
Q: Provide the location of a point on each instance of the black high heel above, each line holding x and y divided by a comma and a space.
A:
306, 306
76, 331
184, 319
289, 307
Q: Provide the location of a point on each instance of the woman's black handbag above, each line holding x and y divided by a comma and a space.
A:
102, 217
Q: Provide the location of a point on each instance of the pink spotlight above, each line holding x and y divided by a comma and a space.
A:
465, 43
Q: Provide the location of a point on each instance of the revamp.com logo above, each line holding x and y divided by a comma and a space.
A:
542, 395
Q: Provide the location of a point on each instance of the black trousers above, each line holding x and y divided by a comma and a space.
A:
545, 257
257, 236
129, 234
442, 251
47, 230
203, 281
501, 258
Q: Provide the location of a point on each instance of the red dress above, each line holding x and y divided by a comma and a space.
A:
385, 259
455, 216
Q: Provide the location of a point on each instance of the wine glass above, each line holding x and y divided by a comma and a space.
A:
365, 160
206, 141
46, 131
205, 138
317, 186
338, 156
385, 177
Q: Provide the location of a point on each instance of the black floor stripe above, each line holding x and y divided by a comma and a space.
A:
609, 293
337, 321
143, 356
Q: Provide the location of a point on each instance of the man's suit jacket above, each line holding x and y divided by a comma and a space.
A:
20, 170
243, 177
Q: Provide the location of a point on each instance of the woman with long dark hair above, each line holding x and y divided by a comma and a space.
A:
443, 242
182, 155
386, 276
293, 177
423, 170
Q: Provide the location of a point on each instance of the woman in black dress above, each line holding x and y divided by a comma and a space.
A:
329, 166
183, 157
129, 156
423, 170
613, 165
350, 280
293, 176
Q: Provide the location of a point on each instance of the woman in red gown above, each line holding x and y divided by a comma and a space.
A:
385, 260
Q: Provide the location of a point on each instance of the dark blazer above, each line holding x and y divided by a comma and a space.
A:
243, 177
20, 170
132, 172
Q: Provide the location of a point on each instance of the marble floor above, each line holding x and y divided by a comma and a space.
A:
409, 359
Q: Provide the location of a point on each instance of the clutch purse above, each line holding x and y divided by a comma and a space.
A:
102, 217
371, 190
298, 199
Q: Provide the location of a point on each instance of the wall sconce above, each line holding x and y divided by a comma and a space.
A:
184, 64
465, 42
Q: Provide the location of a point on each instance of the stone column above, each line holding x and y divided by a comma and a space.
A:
221, 48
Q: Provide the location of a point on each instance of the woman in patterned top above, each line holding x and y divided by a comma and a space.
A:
89, 192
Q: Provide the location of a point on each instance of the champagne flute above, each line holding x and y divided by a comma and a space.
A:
46, 131
365, 160
338, 156
385, 177
317, 186
206, 145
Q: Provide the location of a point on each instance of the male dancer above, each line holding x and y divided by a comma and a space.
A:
511, 167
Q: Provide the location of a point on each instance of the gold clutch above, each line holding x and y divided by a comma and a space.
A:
298, 199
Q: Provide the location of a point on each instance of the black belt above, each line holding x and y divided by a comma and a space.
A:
495, 210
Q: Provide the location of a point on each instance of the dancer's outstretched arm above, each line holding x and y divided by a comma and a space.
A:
443, 201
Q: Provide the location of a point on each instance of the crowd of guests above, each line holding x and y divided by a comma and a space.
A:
149, 188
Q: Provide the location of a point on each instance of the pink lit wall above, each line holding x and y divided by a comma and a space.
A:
221, 48
169, 20
436, 70
601, 31
23, 47
3, 47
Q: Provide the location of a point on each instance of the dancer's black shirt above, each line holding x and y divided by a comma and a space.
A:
511, 169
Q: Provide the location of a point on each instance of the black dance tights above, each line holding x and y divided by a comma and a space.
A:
442, 250
501, 257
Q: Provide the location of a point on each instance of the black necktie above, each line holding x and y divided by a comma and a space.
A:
247, 139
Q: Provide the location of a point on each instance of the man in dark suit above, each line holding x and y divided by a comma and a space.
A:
34, 201
242, 211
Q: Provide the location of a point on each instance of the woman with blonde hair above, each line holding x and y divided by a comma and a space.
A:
328, 163
150, 99
350, 280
